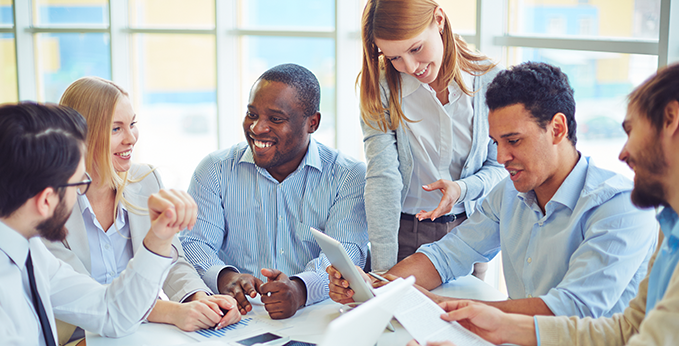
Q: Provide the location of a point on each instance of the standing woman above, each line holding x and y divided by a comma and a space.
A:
425, 127
109, 221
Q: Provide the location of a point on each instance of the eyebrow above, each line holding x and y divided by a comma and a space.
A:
625, 123
510, 134
407, 50
134, 117
270, 110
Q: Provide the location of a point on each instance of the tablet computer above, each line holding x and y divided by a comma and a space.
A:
339, 258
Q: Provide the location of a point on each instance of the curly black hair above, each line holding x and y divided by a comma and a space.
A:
541, 88
300, 78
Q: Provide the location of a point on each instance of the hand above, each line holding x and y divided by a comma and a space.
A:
239, 286
171, 211
485, 321
451, 193
339, 287
227, 305
280, 295
203, 313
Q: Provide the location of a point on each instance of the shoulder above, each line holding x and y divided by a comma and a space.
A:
144, 176
482, 81
339, 163
602, 184
605, 194
221, 160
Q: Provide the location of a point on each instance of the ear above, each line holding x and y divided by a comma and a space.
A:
439, 18
46, 201
671, 121
313, 121
559, 128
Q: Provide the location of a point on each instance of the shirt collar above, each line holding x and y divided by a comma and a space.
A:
311, 159
409, 84
14, 245
87, 211
668, 223
569, 192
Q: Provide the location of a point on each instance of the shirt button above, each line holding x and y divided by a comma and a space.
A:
540, 223
111, 273
282, 251
530, 296
529, 260
106, 246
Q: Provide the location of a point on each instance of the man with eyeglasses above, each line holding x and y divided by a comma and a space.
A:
42, 169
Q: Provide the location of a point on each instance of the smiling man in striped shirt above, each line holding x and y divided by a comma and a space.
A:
258, 199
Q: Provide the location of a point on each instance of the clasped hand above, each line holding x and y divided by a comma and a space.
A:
281, 296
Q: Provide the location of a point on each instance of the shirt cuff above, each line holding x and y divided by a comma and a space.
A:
192, 292
316, 287
537, 330
211, 276
463, 191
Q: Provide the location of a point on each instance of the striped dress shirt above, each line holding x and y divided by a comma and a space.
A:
247, 220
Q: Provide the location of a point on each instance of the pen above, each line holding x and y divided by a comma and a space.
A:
378, 277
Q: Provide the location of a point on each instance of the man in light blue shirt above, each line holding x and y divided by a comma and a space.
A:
257, 201
572, 242
652, 127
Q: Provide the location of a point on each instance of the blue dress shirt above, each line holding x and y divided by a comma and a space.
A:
584, 256
109, 250
249, 220
666, 261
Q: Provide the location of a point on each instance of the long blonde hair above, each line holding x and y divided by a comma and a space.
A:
96, 98
396, 20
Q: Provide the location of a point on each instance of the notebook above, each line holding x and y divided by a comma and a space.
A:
363, 325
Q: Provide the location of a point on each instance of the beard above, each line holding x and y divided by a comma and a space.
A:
649, 191
53, 228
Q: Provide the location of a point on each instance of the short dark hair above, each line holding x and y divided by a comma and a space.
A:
40, 147
541, 88
300, 78
653, 95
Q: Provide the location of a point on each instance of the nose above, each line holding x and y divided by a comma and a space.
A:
624, 154
410, 65
130, 137
259, 126
503, 154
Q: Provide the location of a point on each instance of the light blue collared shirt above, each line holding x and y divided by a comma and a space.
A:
666, 261
249, 220
111, 250
585, 256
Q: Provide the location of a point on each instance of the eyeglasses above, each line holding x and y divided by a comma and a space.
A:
85, 182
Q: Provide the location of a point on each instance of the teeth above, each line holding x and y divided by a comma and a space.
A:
421, 72
260, 144
125, 154
512, 173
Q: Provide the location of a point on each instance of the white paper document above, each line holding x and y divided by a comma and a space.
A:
421, 317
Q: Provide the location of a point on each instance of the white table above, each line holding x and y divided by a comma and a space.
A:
308, 324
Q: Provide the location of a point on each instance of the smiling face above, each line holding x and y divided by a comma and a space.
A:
420, 56
124, 134
525, 149
644, 154
276, 129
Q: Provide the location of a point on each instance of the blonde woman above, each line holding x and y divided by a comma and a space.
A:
109, 221
425, 127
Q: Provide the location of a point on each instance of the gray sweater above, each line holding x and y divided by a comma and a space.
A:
390, 168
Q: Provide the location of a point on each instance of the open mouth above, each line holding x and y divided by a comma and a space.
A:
124, 154
421, 73
514, 173
260, 144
